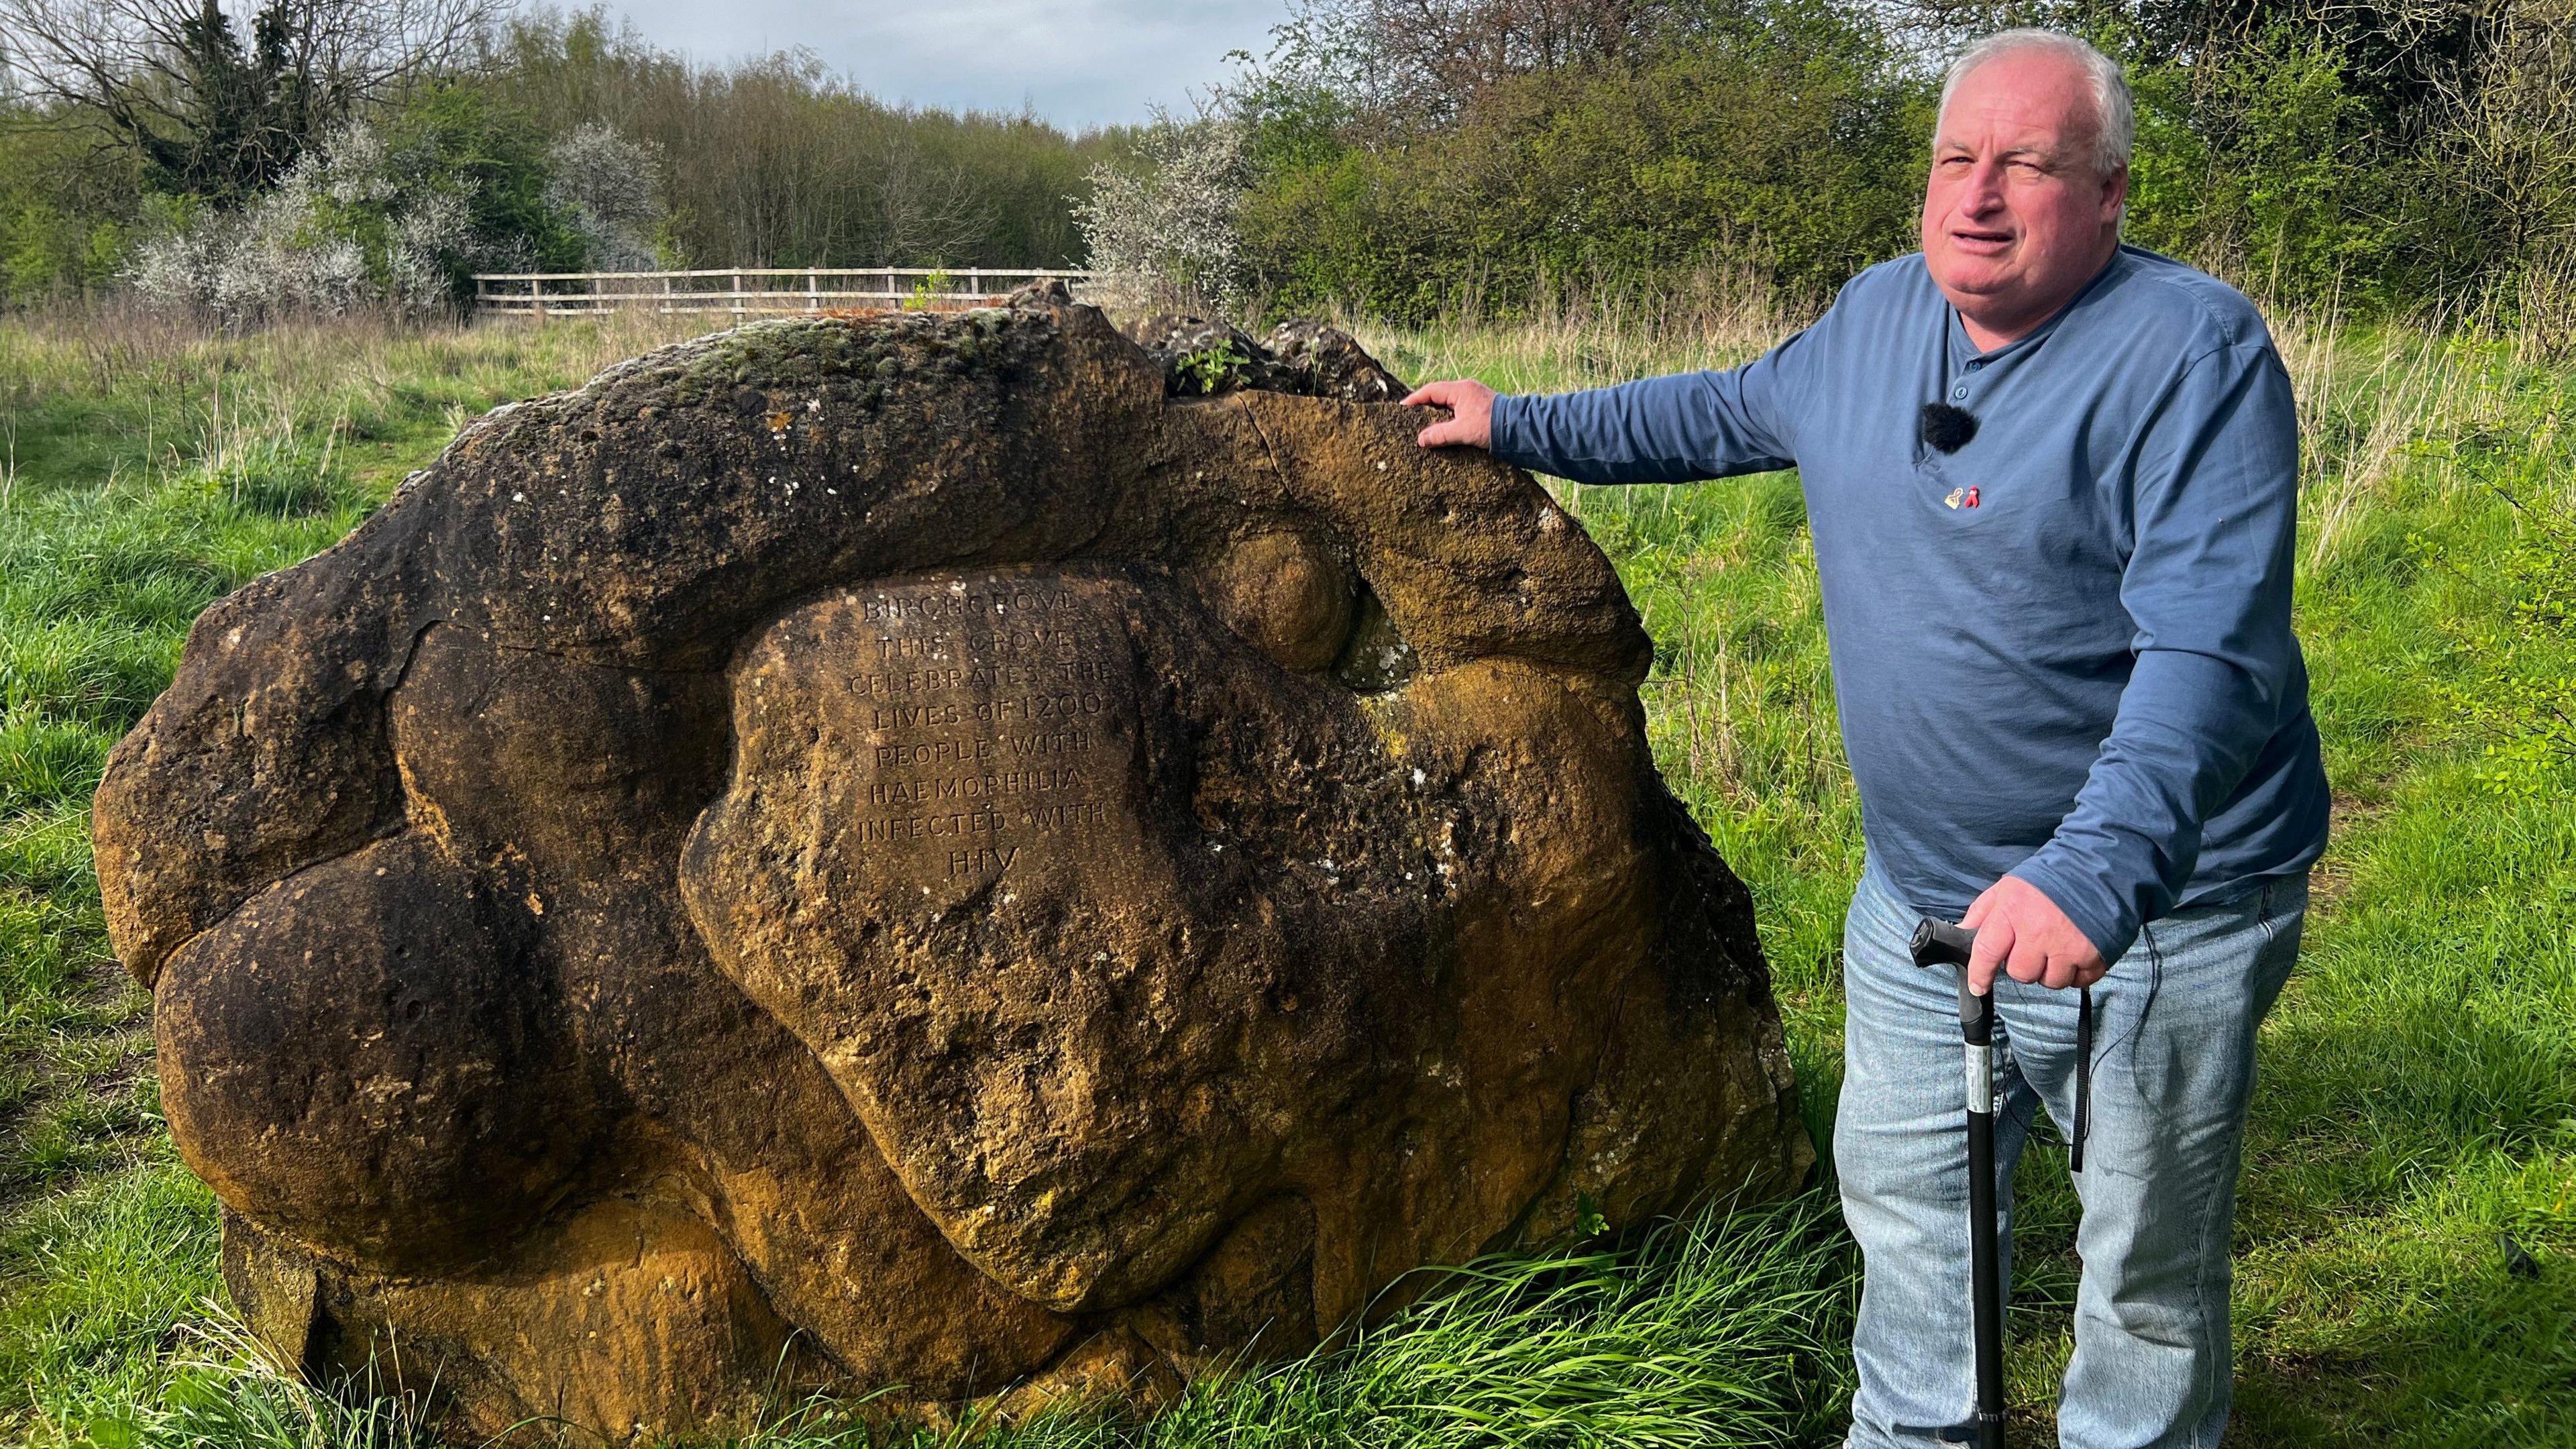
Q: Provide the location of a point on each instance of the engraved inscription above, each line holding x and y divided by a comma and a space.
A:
999, 716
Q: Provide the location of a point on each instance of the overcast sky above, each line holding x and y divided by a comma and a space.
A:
1079, 62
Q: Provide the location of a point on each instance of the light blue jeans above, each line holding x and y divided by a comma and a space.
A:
2173, 1041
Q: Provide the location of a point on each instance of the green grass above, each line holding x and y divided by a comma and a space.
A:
2417, 1107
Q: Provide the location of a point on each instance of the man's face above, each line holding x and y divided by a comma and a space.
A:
2016, 219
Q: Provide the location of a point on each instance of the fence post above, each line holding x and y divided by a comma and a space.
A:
537, 294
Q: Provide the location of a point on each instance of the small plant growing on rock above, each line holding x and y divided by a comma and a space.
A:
1212, 369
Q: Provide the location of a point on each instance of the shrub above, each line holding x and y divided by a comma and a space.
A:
336, 235
397, 216
608, 190
67, 210
1785, 135
2378, 157
1161, 227
2269, 169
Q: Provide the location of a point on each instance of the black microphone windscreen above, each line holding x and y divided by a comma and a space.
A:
1947, 429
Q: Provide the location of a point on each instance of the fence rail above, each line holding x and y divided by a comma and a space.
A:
755, 291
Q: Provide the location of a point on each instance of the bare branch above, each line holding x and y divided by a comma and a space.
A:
228, 101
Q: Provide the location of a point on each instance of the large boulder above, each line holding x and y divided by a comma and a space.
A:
897, 852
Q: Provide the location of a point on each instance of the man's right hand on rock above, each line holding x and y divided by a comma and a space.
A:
1471, 413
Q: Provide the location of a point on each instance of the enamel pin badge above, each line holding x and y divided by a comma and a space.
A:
1962, 498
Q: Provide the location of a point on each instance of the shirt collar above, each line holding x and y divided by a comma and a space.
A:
1962, 349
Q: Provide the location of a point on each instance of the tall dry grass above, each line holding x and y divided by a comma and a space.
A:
2374, 398
2395, 409
116, 396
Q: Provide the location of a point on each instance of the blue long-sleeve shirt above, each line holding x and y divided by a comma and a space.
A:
2062, 652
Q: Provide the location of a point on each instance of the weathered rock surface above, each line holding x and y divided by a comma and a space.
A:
1200, 358
894, 851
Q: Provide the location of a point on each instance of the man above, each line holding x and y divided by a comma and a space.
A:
2052, 485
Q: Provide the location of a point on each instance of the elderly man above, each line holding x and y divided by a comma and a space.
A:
2052, 483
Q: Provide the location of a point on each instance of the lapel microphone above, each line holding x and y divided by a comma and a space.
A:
1947, 429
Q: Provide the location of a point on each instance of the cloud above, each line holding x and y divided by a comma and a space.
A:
1077, 62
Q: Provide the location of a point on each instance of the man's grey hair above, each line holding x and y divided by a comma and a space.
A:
2117, 131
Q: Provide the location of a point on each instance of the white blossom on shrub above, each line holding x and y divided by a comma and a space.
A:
1161, 232
437, 225
343, 230
608, 187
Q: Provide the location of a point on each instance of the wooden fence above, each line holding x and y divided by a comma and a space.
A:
752, 291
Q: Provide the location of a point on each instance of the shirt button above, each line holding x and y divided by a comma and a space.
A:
1959, 392
1976, 363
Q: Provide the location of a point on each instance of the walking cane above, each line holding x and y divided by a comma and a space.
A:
1936, 943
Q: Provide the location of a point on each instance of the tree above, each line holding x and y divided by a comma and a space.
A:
608, 189
1418, 62
776, 161
1604, 145
923, 210
2373, 152
215, 114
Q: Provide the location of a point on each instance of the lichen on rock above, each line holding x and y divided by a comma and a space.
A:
908, 851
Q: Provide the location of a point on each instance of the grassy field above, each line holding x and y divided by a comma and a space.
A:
2407, 1244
